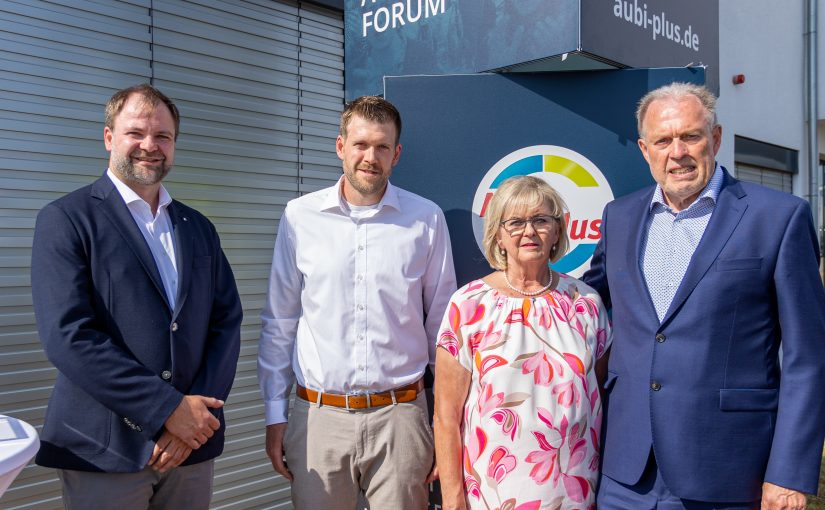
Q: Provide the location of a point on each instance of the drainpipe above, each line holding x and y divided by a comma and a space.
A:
814, 173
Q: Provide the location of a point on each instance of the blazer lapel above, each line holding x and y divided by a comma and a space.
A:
114, 208
726, 216
182, 231
637, 227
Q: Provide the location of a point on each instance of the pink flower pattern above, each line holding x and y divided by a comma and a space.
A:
501, 463
509, 422
539, 365
533, 413
487, 400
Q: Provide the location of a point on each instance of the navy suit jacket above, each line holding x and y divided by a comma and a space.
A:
724, 417
105, 323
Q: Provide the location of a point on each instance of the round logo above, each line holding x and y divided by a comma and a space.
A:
582, 185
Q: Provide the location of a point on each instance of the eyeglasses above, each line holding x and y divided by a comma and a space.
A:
541, 223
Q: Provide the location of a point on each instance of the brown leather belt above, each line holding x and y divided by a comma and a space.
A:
400, 395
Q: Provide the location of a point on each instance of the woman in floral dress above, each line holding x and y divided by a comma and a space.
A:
517, 404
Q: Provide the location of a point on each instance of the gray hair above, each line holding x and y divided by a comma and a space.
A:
514, 194
678, 91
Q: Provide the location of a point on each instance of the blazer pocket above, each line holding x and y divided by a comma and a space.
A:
78, 423
748, 399
738, 264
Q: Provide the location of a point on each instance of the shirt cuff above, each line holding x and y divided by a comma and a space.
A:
276, 411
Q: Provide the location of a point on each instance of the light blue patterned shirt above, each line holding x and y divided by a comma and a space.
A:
672, 239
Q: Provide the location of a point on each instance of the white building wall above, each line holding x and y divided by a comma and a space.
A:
764, 40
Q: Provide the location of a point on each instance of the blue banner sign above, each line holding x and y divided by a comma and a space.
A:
428, 37
403, 37
463, 135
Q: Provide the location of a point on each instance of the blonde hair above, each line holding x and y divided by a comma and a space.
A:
519, 193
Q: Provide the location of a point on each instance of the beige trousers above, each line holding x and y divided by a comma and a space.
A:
383, 453
184, 487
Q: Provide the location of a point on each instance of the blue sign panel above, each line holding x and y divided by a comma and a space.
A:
463, 135
652, 33
408, 37
395, 37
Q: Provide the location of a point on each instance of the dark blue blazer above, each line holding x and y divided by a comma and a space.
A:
105, 323
725, 417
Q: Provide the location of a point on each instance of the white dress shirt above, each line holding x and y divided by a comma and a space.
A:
355, 299
157, 230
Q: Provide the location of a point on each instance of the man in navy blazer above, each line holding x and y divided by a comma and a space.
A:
717, 367
137, 308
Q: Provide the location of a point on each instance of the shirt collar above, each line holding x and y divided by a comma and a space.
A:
129, 195
335, 198
711, 191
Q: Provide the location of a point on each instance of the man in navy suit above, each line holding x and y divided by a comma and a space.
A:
717, 367
137, 308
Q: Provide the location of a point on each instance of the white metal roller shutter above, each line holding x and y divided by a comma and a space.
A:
775, 179
59, 62
232, 68
260, 87
321, 55
236, 71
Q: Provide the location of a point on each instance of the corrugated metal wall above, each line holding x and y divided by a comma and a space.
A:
260, 86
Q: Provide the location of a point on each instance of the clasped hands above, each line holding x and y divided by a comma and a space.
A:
188, 428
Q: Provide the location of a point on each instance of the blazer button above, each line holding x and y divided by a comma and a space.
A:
655, 386
660, 338
174, 326
166, 375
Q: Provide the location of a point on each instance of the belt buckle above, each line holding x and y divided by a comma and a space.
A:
365, 394
354, 394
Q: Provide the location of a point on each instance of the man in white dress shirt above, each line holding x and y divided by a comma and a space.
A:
361, 275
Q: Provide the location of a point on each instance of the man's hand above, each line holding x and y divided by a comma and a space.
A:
169, 453
275, 449
192, 422
775, 497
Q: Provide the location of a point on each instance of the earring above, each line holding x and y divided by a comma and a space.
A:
553, 249
502, 251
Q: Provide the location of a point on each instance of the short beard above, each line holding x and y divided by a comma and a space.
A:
363, 187
127, 171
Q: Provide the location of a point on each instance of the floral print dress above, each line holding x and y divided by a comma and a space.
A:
532, 418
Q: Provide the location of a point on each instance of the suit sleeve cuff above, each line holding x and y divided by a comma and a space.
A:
167, 402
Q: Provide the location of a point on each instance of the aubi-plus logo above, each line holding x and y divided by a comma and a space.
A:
581, 184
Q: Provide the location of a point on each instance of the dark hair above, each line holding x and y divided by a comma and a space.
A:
150, 95
371, 108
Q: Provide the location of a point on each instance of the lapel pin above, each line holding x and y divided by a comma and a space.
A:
185, 218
